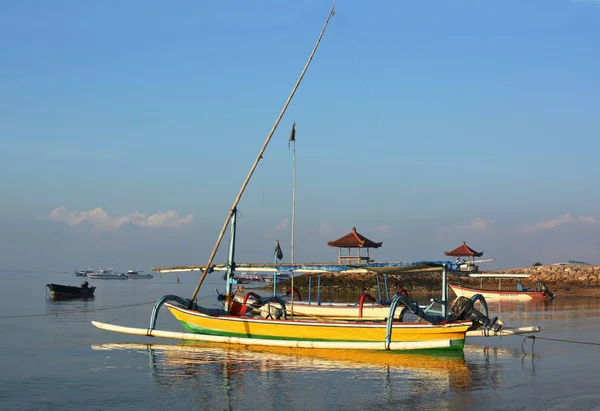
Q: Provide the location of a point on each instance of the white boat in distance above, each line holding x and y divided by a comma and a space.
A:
137, 275
280, 277
107, 274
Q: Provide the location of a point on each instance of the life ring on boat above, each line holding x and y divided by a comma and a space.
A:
251, 294
296, 293
402, 291
362, 301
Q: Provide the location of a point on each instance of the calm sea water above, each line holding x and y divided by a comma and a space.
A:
54, 359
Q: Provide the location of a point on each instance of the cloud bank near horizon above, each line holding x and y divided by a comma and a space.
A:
557, 221
101, 220
477, 224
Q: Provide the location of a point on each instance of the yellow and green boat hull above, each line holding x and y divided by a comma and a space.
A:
318, 331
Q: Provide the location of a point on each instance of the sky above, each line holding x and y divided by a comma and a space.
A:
127, 129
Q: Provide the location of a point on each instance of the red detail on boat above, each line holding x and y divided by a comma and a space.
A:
296, 293
362, 301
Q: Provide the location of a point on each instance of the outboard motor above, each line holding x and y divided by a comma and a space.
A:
547, 292
464, 309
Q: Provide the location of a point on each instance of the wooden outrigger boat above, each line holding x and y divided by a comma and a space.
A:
235, 322
524, 294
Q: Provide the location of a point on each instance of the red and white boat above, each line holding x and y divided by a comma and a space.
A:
523, 294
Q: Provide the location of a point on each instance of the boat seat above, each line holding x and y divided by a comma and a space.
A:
236, 309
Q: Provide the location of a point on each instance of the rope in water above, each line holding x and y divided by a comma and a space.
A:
533, 338
78, 311
561, 340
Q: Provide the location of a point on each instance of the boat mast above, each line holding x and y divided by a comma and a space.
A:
293, 140
258, 157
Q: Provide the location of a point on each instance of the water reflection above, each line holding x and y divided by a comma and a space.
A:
401, 378
69, 309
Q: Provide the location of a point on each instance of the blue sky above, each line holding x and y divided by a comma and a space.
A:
126, 129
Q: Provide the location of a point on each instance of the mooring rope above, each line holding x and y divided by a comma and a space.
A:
77, 311
565, 341
533, 338
532, 344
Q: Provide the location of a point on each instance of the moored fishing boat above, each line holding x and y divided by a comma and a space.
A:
462, 291
70, 291
348, 333
137, 275
107, 274
541, 292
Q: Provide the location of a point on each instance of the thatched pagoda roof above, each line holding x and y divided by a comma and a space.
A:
354, 240
464, 251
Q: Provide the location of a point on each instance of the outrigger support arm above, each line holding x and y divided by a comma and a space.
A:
184, 302
412, 307
260, 154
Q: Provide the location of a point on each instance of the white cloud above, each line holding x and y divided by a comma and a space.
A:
477, 224
558, 221
326, 228
100, 219
384, 229
282, 225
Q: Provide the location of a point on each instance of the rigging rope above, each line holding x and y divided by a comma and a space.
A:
77, 311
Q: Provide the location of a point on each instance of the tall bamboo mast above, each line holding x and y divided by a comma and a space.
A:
293, 140
293, 212
258, 157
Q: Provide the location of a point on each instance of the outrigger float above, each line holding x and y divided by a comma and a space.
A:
236, 323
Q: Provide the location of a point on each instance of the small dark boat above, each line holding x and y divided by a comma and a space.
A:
70, 291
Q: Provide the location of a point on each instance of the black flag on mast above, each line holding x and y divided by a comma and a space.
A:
292, 134
278, 253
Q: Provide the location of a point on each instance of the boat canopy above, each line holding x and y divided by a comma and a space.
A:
492, 275
382, 268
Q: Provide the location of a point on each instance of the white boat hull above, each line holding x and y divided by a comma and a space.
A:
106, 277
468, 292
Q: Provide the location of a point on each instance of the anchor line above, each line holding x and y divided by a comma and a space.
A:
532, 344
76, 311
565, 341
533, 338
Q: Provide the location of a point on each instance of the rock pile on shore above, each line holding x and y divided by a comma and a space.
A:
567, 276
